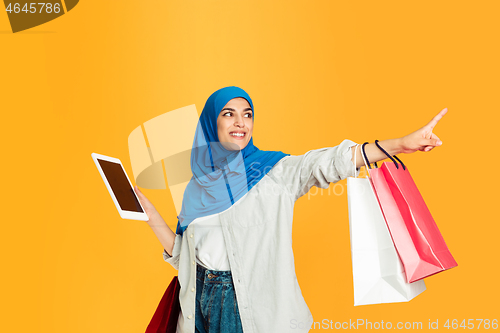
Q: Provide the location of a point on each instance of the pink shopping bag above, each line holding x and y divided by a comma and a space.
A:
414, 232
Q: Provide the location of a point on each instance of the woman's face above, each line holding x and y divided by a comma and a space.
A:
235, 124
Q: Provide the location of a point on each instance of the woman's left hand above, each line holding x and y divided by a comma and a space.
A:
423, 139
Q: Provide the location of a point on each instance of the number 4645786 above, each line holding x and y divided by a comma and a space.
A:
42, 7
472, 324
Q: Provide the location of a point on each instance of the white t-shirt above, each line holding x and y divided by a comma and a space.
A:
210, 247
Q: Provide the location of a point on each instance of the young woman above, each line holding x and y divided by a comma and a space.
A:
233, 243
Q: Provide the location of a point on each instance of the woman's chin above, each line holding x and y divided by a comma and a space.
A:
231, 146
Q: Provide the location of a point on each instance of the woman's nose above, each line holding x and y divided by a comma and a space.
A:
238, 121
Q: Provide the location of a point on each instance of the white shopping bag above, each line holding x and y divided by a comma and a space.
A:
378, 274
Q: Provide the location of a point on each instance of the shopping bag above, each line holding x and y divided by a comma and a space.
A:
378, 274
165, 317
419, 243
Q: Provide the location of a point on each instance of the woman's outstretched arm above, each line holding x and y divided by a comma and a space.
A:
420, 140
162, 231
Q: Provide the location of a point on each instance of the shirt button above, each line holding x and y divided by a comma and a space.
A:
191, 236
192, 289
194, 262
189, 317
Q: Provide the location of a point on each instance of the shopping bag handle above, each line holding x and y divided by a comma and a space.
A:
355, 154
391, 157
365, 158
363, 155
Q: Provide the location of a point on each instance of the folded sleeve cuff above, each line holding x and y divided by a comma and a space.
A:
343, 161
174, 258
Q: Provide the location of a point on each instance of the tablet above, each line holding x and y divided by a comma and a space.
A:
119, 187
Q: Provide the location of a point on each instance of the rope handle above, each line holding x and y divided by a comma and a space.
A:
365, 159
391, 157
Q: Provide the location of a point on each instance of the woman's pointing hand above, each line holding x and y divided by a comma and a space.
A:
423, 139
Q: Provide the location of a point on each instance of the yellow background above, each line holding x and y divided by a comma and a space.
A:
317, 71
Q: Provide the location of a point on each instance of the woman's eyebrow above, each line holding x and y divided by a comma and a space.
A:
231, 109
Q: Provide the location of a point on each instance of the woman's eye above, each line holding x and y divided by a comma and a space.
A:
227, 113
249, 115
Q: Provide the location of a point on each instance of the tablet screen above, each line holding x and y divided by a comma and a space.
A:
120, 186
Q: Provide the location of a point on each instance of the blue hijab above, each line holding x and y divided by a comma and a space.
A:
220, 176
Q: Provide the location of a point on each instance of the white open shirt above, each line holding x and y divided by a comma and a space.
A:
257, 231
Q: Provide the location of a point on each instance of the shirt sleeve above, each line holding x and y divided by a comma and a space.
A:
318, 167
174, 258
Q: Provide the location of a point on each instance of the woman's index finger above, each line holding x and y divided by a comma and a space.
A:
435, 120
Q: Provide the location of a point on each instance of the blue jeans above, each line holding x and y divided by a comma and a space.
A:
216, 306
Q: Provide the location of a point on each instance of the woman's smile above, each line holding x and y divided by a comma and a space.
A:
238, 135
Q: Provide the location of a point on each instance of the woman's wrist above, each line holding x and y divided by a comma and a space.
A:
402, 147
398, 146
155, 219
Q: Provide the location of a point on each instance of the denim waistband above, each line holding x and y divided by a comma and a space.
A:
210, 275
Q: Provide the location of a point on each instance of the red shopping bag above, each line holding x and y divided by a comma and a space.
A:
165, 318
417, 239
